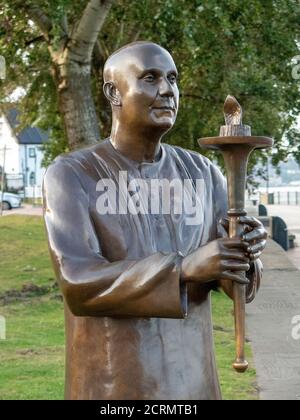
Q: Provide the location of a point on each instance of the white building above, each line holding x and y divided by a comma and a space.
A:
23, 156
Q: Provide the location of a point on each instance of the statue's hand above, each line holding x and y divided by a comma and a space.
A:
220, 259
254, 276
254, 233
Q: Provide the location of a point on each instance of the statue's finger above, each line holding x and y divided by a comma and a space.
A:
227, 275
234, 265
253, 249
234, 255
247, 229
249, 220
254, 235
236, 243
255, 256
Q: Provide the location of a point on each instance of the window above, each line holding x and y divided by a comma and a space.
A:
32, 179
32, 153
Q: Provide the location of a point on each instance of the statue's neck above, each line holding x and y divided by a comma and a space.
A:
140, 147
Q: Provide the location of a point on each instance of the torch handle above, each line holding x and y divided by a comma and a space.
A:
239, 295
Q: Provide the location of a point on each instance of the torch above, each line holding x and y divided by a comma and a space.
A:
236, 144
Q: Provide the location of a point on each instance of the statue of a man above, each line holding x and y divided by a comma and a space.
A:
136, 278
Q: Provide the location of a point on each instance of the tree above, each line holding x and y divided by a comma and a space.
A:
70, 52
56, 51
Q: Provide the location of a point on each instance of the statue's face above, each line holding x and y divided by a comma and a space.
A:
148, 89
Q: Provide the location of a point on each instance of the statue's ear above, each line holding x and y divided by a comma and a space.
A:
112, 93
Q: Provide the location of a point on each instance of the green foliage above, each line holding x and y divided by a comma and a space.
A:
244, 48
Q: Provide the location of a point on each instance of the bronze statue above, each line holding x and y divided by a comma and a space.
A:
135, 265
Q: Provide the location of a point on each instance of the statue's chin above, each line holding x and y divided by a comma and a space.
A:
164, 122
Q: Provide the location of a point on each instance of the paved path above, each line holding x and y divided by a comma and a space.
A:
291, 215
269, 327
26, 209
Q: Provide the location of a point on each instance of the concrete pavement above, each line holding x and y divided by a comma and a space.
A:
26, 209
291, 215
269, 327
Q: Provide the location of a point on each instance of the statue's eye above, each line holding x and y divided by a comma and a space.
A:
149, 78
172, 78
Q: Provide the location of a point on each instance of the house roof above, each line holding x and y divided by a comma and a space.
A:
29, 135
32, 135
12, 118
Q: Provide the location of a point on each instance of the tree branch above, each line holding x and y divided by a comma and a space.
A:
120, 36
34, 40
134, 34
65, 24
43, 22
98, 57
103, 47
88, 29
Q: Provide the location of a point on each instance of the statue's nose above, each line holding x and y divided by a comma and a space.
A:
165, 88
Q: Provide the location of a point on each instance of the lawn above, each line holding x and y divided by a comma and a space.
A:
32, 356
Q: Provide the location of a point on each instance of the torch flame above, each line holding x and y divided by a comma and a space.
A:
233, 112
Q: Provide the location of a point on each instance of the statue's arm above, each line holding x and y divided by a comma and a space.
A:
92, 285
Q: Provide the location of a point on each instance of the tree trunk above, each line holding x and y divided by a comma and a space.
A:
76, 104
102, 104
72, 68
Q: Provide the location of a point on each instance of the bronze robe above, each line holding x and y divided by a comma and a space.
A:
132, 330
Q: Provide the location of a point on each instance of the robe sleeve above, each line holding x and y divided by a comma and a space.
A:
220, 211
92, 285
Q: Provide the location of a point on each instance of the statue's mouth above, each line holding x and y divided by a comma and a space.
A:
164, 108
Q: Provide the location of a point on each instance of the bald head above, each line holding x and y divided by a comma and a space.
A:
140, 84
133, 54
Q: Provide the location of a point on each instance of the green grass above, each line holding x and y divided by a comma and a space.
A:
235, 386
24, 252
32, 356
36, 201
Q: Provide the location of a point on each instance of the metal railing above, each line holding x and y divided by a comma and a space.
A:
288, 198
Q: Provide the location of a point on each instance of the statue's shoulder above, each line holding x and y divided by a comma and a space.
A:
188, 156
80, 159
83, 153
195, 163
59, 170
